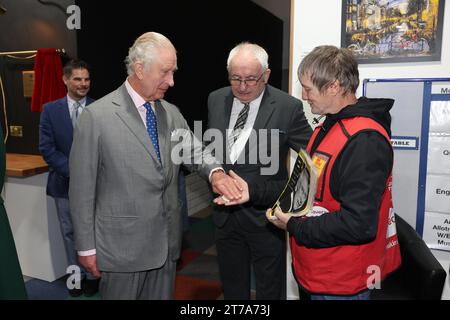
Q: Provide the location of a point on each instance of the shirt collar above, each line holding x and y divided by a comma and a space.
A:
137, 99
70, 101
256, 102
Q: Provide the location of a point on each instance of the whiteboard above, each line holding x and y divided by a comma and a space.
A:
421, 141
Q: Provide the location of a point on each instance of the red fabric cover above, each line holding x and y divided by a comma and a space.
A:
48, 83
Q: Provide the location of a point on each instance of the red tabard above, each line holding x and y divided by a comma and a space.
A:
346, 269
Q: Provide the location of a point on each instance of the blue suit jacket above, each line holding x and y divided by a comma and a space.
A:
55, 141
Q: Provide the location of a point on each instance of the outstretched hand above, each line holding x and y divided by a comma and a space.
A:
245, 196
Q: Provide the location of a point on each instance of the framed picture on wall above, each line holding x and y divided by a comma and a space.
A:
382, 31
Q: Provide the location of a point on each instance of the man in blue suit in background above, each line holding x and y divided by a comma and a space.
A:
55, 140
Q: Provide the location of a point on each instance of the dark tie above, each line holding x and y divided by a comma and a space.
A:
240, 123
152, 128
77, 108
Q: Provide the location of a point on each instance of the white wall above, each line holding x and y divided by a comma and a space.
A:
318, 23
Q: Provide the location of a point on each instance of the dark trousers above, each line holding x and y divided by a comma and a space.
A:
238, 249
65, 223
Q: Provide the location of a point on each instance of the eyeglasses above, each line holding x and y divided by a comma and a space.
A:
236, 82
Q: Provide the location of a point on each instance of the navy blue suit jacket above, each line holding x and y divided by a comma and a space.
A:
55, 141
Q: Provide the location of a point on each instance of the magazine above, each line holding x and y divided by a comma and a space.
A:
299, 192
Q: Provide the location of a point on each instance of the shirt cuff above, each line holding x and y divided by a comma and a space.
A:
87, 253
214, 170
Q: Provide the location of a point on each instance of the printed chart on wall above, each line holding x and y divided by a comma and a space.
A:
421, 142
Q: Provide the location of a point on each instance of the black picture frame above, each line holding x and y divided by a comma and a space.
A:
382, 31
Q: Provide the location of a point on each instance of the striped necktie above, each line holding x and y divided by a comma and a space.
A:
152, 128
240, 124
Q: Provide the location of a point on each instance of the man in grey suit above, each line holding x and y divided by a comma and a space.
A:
124, 182
244, 238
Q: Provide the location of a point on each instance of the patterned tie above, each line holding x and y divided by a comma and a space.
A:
152, 128
240, 124
77, 108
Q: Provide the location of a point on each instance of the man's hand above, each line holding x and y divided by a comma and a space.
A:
226, 186
223, 200
280, 220
90, 264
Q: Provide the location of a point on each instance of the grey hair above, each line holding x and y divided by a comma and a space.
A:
326, 64
258, 51
144, 50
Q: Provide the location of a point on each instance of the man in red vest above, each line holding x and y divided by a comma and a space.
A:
347, 243
349, 238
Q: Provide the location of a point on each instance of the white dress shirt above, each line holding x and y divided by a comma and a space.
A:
239, 145
71, 105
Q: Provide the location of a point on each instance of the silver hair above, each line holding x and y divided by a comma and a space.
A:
258, 51
144, 50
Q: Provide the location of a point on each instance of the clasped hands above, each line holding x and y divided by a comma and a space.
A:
233, 190
228, 188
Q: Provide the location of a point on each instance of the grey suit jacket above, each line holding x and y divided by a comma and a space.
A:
123, 201
277, 110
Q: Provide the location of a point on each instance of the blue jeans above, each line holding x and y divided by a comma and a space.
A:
365, 295
65, 223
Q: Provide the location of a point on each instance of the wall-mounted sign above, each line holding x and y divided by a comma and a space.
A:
438, 154
405, 143
437, 197
28, 83
436, 231
440, 88
16, 131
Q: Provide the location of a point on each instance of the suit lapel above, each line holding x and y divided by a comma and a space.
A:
266, 109
162, 124
89, 100
227, 108
130, 116
226, 115
64, 115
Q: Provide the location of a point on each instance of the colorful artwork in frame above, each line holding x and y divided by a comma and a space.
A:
382, 31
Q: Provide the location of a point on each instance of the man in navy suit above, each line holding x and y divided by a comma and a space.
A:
55, 140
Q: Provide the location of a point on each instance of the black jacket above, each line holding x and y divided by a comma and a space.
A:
357, 181
277, 110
